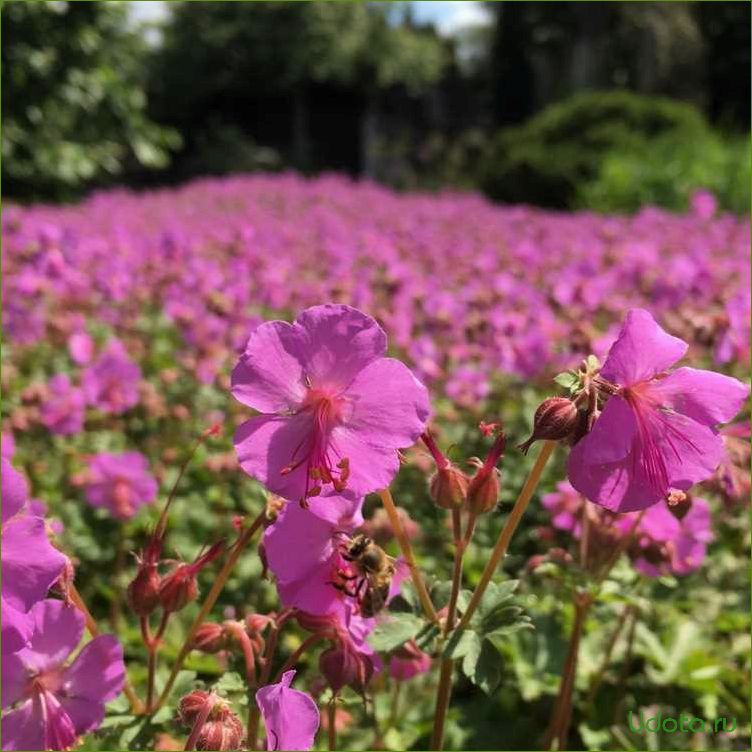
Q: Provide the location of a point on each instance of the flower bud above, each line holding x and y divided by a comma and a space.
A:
340, 666
143, 592
221, 733
210, 638
178, 588
484, 486
555, 419
191, 705
448, 486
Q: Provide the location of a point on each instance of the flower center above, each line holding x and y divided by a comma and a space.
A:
323, 465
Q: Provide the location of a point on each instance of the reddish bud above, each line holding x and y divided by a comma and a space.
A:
556, 418
448, 486
210, 638
483, 489
487, 429
191, 705
222, 733
257, 623
143, 592
343, 666
178, 588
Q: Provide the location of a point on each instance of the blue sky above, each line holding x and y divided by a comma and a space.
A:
449, 15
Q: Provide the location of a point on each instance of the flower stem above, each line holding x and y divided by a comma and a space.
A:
407, 553
531, 483
209, 602
152, 647
295, 656
198, 724
331, 723
558, 730
595, 682
442, 703
91, 626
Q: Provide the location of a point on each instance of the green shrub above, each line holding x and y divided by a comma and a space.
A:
545, 160
666, 172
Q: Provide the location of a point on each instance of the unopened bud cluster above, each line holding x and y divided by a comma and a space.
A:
219, 728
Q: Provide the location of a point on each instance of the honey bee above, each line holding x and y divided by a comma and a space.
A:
374, 571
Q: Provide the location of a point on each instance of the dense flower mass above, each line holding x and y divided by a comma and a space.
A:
286, 329
466, 290
658, 429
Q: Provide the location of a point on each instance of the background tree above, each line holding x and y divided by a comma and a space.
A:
73, 99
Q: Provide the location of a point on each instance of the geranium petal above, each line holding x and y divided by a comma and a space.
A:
85, 715
266, 444
17, 627
98, 673
23, 728
15, 491
706, 397
269, 377
641, 351
390, 406
26, 579
291, 717
371, 468
58, 629
339, 342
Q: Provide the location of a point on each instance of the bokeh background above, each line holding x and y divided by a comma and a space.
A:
495, 182
606, 105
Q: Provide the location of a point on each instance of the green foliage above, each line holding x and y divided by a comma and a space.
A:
666, 171
73, 99
544, 160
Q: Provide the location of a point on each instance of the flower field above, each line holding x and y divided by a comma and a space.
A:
154, 419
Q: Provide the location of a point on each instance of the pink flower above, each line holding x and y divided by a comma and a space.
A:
303, 550
409, 661
291, 717
80, 348
111, 382
63, 410
565, 506
673, 541
335, 410
658, 431
53, 703
30, 563
120, 482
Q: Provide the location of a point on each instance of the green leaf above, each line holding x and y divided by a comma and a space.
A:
407, 601
395, 630
461, 643
499, 617
486, 672
494, 596
567, 379
592, 362
424, 639
230, 683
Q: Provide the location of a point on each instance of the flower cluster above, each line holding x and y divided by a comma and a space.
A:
50, 702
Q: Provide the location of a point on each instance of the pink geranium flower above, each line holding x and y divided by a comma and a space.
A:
120, 482
303, 550
291, 717
53, 704
30, 563
658, 431
673, 541
111, 382
63, 410
409, 661
335, 410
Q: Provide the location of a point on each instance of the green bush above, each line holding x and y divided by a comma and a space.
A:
545, 160
666, 172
